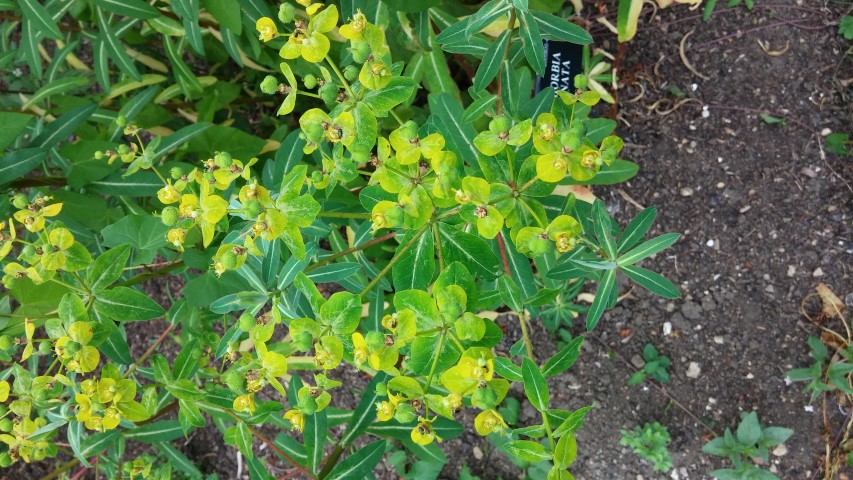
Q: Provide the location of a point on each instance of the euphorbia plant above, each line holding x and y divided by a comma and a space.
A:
425, 213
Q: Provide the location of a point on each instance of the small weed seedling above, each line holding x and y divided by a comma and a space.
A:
825, 374
649, 443
750, 442
656, 367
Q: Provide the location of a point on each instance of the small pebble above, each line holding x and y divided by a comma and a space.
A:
686, 192
638, 361
718, 340
478, 453
818, 272
808, 172
792, 270
825, 132
745, 209
693, 370
780, 450
709, 243
667, 328
770, 289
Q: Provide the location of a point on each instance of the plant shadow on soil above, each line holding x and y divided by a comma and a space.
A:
760, 212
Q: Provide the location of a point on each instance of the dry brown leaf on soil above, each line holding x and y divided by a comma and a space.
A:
832, 341
832, 305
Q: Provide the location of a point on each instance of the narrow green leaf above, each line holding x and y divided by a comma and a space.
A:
179, 138
534, 51
20, 162
617, 172
470, 250
437, 77
178, 460
527, 450
491, 63
636, 229
333, 272
163, 431
573, 422
40, 19
564, 359
648, 248
535, 386
398, 90
479, 107
129, 8
556, 28
602, 297
510, 293
566, 451
314, 436
126, 305
601, 225
652, 281
240, 437
12, 125
107, 268
365, 412
360, 464
63, 127
115, 49
416, 267
74, 435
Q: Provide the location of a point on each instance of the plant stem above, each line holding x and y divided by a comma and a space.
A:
61, 469
357, 216
438, 246
331, 460
341, 77
148, 352
548, 431
260, 436
395, 259
156, 273
528, 344
343, 253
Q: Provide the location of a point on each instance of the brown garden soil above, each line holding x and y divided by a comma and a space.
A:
766, 216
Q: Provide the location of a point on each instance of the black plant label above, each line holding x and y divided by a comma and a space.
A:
563, 60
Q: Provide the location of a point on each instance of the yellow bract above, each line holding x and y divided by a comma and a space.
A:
267, 29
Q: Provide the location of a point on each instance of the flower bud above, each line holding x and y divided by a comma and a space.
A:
328, 92
20, 201
222, 159
405, 413
309, 81
169, 216
253, 208
351, 72
360, 51
246, 322
484, 398
228, 260
270, 85
581, 82
121, 121
44, 348
286, 13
